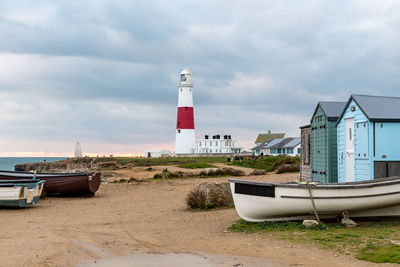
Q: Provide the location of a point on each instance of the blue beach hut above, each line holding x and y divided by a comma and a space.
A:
323, 142
368, 131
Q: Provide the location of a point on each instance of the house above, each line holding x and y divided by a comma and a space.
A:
216, 145
157, 153
305, 155
261, 138
367, 132
324, 142
279, 146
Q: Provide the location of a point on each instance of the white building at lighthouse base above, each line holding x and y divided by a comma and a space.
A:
217, 145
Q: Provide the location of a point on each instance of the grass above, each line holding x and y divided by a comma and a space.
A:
374, 242
196, 165
146, 162
379, 254
268, 163
249, 227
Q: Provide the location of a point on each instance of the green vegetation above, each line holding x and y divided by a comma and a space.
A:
378, 254
131, 180
143, 162
249, 227
221, 172
268, 163
375, 242
196, 165
168, 175
218, 172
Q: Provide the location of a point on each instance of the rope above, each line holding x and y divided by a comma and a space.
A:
312, 201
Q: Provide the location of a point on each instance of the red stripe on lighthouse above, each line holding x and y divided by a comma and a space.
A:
185, 118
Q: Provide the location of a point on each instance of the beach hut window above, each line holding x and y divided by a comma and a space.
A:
350, 134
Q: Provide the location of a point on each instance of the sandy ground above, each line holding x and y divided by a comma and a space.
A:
144, 217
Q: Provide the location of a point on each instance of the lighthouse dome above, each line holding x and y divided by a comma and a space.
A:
186, 78
186, 72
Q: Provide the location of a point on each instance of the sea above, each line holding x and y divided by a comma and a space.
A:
7, 164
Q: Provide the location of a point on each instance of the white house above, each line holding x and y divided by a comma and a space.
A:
216, 145
157, 153
290, 146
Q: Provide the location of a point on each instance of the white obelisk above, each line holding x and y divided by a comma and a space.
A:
78, 150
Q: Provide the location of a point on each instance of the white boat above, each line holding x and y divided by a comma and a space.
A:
20, 193
262, 201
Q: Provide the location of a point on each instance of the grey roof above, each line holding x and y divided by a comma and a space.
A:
293, 143
289, 142
377, 108
332, 110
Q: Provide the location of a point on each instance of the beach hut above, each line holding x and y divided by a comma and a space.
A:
324, 142
368, 133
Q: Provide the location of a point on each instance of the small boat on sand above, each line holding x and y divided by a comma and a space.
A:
261, 201
20, 193
60, 183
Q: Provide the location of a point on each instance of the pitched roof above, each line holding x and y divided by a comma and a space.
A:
331, 110
377, 108
289, 142
293, 143
269, 136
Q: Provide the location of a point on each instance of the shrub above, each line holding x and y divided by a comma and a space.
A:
196, 199
168, 175
209, 195
157, 176
288, 168
222, 172
258, 172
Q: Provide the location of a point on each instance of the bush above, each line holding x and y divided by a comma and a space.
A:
209, 195
168, 175
222, 172
196, 199
258, 172
288, 168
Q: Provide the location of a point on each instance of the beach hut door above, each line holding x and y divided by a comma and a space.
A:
350, 150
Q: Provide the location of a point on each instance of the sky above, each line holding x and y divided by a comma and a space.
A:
106, 73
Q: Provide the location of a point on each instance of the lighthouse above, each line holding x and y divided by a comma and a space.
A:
185, 139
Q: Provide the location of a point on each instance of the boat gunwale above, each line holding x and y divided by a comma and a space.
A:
26, 183
349, 185
46, 175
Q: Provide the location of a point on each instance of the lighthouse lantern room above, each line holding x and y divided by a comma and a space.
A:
185, 138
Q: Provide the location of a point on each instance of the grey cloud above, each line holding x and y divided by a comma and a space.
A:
113, 66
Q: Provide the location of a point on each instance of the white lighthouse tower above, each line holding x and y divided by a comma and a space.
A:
185, 139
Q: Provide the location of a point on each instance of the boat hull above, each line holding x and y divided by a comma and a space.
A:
21, 193
61, 183
257, 201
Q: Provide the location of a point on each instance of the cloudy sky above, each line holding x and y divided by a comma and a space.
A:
105, 73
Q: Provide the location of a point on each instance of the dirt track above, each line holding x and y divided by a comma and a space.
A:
145, 217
